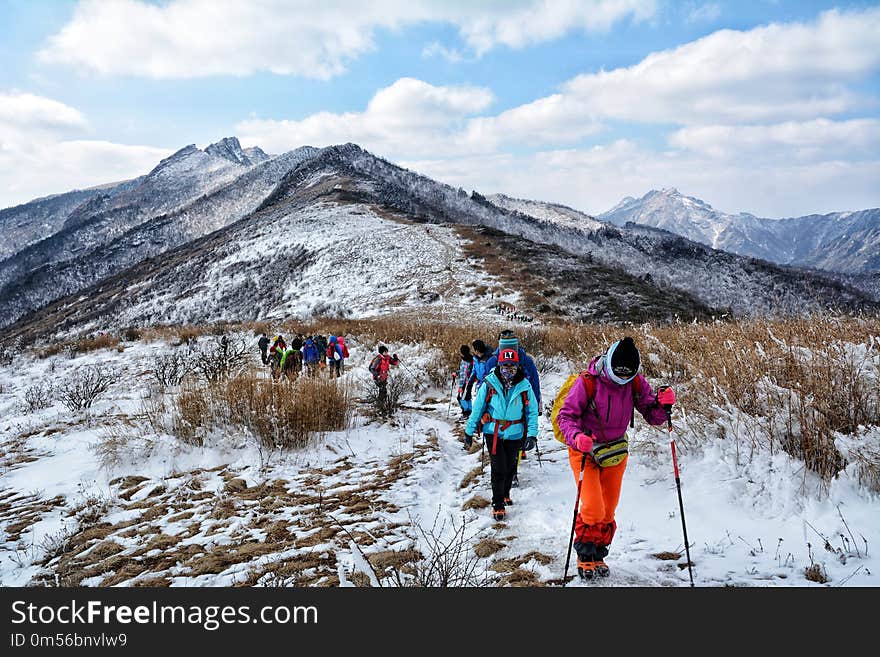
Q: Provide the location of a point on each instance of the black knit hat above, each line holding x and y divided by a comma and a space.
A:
625, 359
465, 352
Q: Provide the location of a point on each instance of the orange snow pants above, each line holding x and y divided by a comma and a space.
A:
600, 493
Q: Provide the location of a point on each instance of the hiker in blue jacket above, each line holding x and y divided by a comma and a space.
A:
508, 340
506, 411
482, 354
311, 356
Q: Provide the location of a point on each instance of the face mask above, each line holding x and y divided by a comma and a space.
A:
507, 373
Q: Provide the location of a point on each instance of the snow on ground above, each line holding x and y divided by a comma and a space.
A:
549, 212
366, 265
227, 514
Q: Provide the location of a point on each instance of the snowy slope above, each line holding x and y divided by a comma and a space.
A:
164, 231
714, 279
226, 513
552, 213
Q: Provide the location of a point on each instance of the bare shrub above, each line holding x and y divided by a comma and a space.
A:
282, 415
170, 368
83, 387
220, 359
449, 561
131, 334
37, 396
395, 387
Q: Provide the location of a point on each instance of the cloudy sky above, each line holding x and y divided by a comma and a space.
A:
770, 107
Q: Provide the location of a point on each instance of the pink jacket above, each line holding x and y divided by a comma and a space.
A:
613, 409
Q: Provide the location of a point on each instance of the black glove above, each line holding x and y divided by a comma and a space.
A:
530, 443
468, 441
394, 357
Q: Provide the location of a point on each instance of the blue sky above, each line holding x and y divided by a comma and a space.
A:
765, 107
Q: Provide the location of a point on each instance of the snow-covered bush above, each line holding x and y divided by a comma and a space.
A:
80, 390
169, 368
220, 359
37, 396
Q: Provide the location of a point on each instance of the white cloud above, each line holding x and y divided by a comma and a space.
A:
534, 22
771, 72
40, 155
436, 49
792, 140
776, 73
703, 13
595, 179
23, 111
193, 38
410, 116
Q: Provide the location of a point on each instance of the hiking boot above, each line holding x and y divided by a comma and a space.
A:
498, 514
602, 569
587, 569
507, 501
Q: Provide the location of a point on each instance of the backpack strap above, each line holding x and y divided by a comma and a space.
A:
636, 390
590, 386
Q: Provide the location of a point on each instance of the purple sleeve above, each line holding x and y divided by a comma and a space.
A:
569, 417
648, 406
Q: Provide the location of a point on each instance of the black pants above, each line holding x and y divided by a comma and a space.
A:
335, 368
264, 356
503, 465
383, 389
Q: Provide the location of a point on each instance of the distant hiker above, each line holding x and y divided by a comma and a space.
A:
311, 356
276, 351
263, 344
334, 357
296, 345
379, 367
506, 411
291, 360
507, 340
340, 339
482, 354
465, 383
593, 421
321, 343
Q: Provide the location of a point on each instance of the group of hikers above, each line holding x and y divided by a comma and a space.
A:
313, 353
499, 392
305, 354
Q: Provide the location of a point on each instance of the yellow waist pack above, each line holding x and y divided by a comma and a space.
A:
611, 453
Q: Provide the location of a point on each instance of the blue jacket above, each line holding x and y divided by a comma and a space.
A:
528, 366
311, 353
505, 407
479, 370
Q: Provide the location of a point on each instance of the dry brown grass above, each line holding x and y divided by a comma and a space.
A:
280, 415
815, 573
476, 502
488, 547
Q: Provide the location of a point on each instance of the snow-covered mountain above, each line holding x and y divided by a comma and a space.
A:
188, 195
847, 242
244, 241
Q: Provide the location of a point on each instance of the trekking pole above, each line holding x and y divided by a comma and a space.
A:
678, 486
449, 405
574, 517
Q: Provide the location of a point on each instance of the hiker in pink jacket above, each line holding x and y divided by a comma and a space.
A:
594, 419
